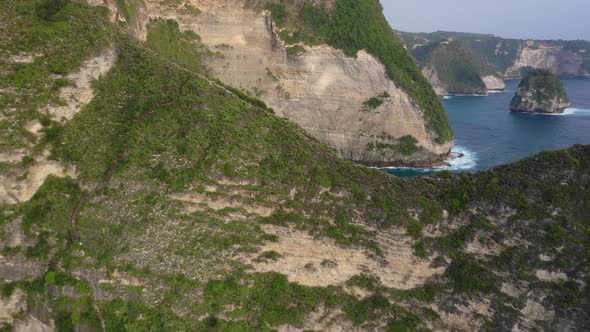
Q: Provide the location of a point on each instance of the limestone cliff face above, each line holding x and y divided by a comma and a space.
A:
432, 76
494, 83
322, 89
540, 92
510, 56
554, 57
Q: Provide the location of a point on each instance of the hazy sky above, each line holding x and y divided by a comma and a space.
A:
538, 19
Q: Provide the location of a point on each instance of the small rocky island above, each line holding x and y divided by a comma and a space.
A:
540, 92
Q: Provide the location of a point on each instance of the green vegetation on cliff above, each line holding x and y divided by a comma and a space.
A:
544, 83
184, 48
456, 66
499, 52
540, 91
181, 184
356, 25
56, 37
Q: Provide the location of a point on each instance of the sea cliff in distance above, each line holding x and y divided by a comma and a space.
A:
509, 58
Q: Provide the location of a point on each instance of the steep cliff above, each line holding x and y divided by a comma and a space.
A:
452, 68
494, 82
560, 58
190, 206
540, 92
511, 57
316, 82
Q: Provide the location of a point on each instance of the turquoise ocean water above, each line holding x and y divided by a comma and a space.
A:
488, 134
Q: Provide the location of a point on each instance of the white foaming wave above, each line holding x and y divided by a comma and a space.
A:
447, 97
467, 95
576, 111
461, 159
568, 111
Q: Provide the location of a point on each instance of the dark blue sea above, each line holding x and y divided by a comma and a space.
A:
488, 134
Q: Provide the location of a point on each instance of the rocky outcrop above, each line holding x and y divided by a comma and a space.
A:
322, 89
494, 83
540, 92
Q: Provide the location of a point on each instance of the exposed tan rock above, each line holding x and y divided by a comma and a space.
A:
32, 324
510, 289
203, 202
322, 319
14, 190
24, 58
322, 90
303, 259
462, 317
432, 77
17, 267
535, 311
11, 235
483, 247
34, 127
126, 280
545, 275
15, 304
494, 83
20, 187
14, 156
81, 93
532, 313
551, 56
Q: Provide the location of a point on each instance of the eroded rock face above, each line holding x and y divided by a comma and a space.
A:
322, 90
18, 187
81, 93
554, 57
432, 77
321, 263
540, 92
494, 83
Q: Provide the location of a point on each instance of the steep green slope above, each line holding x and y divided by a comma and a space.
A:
457, 67
355, 25
188, 191
54, 41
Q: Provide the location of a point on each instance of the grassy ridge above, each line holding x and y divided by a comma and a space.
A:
356, 25
161, 125
167, 130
